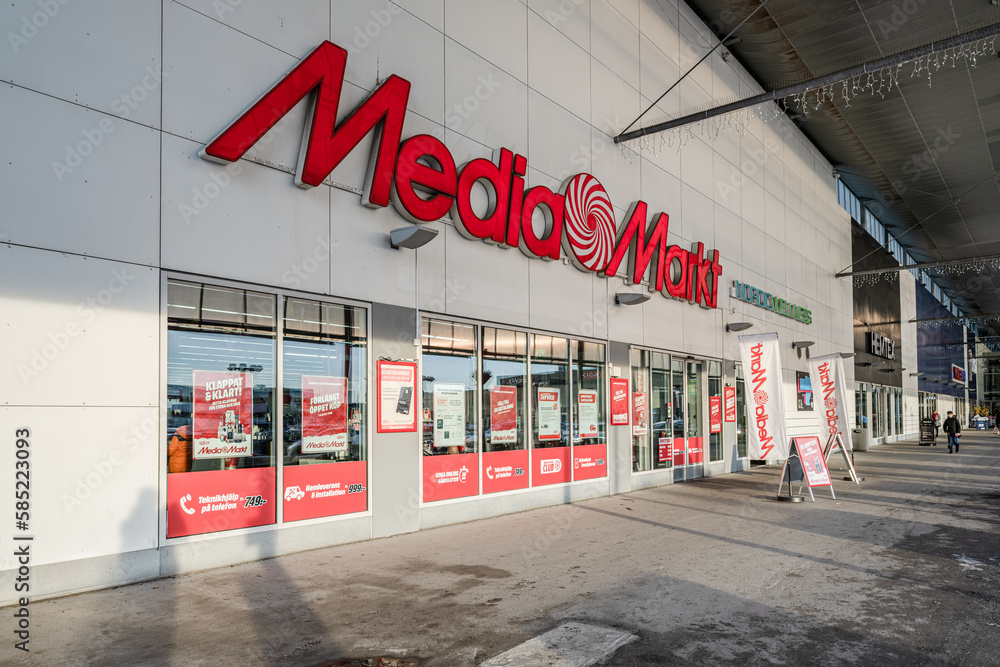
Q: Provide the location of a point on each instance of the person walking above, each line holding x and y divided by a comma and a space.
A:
953, 429
937, 424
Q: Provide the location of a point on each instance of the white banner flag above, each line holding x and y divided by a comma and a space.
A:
765, 396
830, 397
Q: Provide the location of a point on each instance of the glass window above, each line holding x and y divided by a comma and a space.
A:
325, 391
741, 413
661, 410
641, 438
715, 452
220, 407
550, 391
589, 427
505, 369
449, 388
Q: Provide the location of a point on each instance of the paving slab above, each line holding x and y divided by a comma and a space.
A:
901, 569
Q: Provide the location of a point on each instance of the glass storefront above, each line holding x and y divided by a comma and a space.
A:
652, 443
224, 424
715, 452
489, 392
741, 413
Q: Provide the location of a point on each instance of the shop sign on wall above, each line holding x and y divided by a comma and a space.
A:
421, 179
880, 346
958, 373
768, 301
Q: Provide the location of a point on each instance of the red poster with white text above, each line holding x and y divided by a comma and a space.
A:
222, 420
324, 414
619, 402
325, 489
450, 476
216, 500
665, 446
813, 463
696, 451
680, 452
715, 414
505, 471
550, 465
590, 462
730, 401
503, 415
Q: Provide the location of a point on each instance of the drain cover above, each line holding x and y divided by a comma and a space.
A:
373, 662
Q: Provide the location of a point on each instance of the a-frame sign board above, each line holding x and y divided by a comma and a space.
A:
807, 465
835, 442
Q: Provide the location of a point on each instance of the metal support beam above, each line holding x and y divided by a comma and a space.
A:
774, 95
970, 318
920, 265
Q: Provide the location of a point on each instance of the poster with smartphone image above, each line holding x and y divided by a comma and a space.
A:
396, 390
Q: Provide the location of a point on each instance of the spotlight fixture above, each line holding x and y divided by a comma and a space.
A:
798, 344
913, 375
630, 298
863, 364
846, 355
412, 237
738, 326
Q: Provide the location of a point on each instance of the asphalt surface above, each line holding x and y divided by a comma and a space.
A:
903, 569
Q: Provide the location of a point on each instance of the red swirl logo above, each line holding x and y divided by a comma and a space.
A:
760, 397
589, 222
831, 404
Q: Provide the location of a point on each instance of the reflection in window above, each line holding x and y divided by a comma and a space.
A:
589, 427
449, 387
641, 448
325, 380
550, 391
715, 452
220, 378
741, 413
505, 368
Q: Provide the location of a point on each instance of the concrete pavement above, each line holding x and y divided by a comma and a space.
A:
903, 569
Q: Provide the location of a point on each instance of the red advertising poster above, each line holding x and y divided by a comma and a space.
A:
450, 476
397, 389
550, 465
505, 471
589, 462
223, 415
325, 489
324, 414
715, 414
639, 426
503, 416
666, 447
680, 452
696, 451
730, 404
811, 453
211, 501
619, 402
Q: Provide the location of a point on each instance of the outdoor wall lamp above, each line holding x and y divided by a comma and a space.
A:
863, 364
738, 326
630, 298
846, 355
802, 343
913, 375
411, 237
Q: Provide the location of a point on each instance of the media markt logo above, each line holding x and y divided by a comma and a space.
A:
758, 375
421, 179
463, 474
294, 493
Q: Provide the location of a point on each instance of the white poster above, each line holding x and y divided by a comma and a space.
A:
449, 415
765, 396
588, 413
548, 414
830, 396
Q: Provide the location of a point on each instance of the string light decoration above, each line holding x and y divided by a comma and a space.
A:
958, 267
881, 83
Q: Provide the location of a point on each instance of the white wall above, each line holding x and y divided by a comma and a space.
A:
101, 175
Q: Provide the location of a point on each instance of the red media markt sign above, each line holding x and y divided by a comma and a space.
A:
419, 176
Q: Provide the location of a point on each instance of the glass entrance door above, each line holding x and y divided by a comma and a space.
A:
687, 395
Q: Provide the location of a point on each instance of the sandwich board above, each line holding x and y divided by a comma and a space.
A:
835, 443
807, 465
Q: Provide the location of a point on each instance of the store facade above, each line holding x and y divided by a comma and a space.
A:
221, 357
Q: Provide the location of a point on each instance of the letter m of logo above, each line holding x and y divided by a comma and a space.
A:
324, 144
